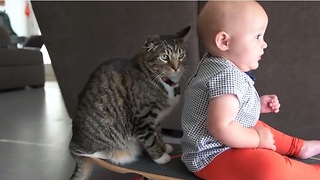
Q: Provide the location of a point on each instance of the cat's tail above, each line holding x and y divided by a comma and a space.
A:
83, 168
124, 155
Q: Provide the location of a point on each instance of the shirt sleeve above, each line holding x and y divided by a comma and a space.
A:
228, 81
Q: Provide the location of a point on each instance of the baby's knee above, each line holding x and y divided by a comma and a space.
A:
267, 167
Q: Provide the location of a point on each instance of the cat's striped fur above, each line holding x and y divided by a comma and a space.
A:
120, 109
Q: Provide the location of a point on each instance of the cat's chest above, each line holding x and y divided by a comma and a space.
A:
173, 93
173, 99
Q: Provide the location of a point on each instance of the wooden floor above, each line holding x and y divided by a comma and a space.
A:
34, 134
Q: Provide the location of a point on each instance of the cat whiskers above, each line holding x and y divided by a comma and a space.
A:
185, 71
157, 77
154, 77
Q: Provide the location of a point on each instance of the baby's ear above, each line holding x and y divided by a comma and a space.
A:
222, 40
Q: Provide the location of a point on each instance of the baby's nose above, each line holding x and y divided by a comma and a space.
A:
265, 45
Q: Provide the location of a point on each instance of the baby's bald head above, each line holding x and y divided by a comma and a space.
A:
225, 16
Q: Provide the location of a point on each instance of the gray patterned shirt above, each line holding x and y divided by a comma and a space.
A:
215, 76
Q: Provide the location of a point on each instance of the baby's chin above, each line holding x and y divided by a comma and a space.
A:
255, 66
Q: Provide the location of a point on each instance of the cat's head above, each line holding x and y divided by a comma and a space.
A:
165, 55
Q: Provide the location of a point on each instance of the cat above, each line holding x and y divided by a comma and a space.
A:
120, 109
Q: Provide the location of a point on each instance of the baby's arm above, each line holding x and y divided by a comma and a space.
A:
222, 111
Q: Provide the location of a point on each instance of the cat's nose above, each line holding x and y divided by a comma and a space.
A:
175, 66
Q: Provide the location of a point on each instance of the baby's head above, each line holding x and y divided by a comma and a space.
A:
234, 30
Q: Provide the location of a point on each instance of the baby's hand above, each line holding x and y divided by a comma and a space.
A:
266, 138
269, 103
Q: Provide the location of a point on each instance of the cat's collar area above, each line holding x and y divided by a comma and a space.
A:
168, 81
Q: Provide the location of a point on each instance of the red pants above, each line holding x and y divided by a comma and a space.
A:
262, 164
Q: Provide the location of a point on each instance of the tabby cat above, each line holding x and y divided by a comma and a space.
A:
120, 109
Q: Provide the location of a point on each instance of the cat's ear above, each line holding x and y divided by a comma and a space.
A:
152, 42
184, 33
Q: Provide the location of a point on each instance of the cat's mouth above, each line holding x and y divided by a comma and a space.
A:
168, 81
174, 77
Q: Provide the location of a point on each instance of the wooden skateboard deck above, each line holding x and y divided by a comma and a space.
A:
174, 170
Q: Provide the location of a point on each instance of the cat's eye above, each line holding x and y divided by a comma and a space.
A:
164, 57
182, 55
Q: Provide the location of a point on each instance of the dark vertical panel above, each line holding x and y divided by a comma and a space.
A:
291, 65
80, 35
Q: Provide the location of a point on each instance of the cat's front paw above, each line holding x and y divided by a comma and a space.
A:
165, 158
169, 148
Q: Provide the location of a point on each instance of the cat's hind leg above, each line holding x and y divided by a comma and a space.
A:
83, 168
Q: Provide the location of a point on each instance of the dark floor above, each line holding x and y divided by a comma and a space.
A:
34, 134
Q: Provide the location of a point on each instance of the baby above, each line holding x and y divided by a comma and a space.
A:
223, 136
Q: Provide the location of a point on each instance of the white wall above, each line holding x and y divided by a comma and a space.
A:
26, 26
23, 25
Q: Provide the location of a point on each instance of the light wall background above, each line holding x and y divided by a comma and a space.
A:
22, 24
26, 26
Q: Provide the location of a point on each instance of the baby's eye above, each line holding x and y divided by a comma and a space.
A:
258, 36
